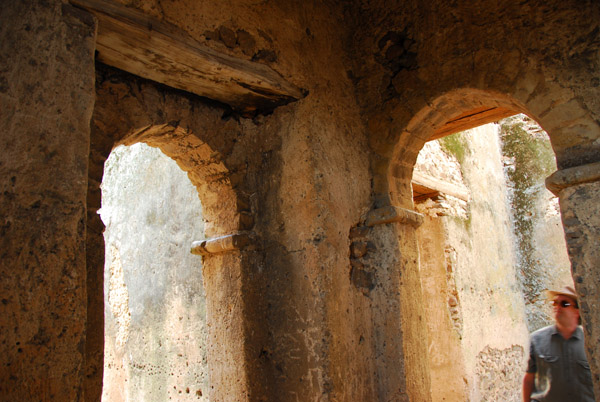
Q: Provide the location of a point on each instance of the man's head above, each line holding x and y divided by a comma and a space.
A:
565, 306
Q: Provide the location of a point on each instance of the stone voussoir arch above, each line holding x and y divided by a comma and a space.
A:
556, 108
206, 172
571, 129
166, 122
423, 126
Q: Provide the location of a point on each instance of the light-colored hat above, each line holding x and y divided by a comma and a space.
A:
565, 291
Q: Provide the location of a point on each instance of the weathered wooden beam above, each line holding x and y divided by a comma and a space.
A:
422, 193
471, 119
423, 182
132, 41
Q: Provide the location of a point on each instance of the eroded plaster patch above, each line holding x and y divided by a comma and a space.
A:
496, 370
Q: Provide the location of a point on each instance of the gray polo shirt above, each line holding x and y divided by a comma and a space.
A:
561, 367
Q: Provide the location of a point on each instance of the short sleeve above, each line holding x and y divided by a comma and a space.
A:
531, 364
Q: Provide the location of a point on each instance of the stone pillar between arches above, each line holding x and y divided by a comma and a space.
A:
46, 105
401, 332
580, 208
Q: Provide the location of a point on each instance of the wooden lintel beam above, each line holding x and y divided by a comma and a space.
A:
425, 196
423, 182
471, 119
132, 41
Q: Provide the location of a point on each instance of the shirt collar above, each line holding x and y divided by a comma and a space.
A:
578, 334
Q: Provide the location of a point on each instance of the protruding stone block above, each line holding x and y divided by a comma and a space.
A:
562, 179
358, 248
220, 244
392, 214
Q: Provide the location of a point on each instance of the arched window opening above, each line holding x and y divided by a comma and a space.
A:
155, 304
491, 242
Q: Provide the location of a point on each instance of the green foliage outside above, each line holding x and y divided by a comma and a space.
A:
530, 160
456, 145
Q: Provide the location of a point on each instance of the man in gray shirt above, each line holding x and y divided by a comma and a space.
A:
558, 370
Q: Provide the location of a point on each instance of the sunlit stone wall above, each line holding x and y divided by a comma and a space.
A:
155, 316
476, 281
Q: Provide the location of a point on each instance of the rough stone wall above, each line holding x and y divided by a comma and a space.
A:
312, 188
477, 319
499, 373
465, 57
540, 243
426, 63
203, 144
533, 227
580, 215
46, 100
418, 52
155, 314
299, 222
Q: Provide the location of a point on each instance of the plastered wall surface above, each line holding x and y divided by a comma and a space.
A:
447, 366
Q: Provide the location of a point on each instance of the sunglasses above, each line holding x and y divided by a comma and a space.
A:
563, 304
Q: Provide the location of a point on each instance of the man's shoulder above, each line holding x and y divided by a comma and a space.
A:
544, 332
540, 339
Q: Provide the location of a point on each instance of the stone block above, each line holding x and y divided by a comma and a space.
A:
359, 231
358, 249
391, 214
220, 244
564, 178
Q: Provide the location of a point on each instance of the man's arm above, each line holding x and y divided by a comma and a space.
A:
528, 382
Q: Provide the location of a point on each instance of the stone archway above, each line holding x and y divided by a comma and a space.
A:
129, 111
569, 125
490, 242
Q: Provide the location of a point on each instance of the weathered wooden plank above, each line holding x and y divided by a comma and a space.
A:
471, 119
423, 182
132, 41
421, 193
